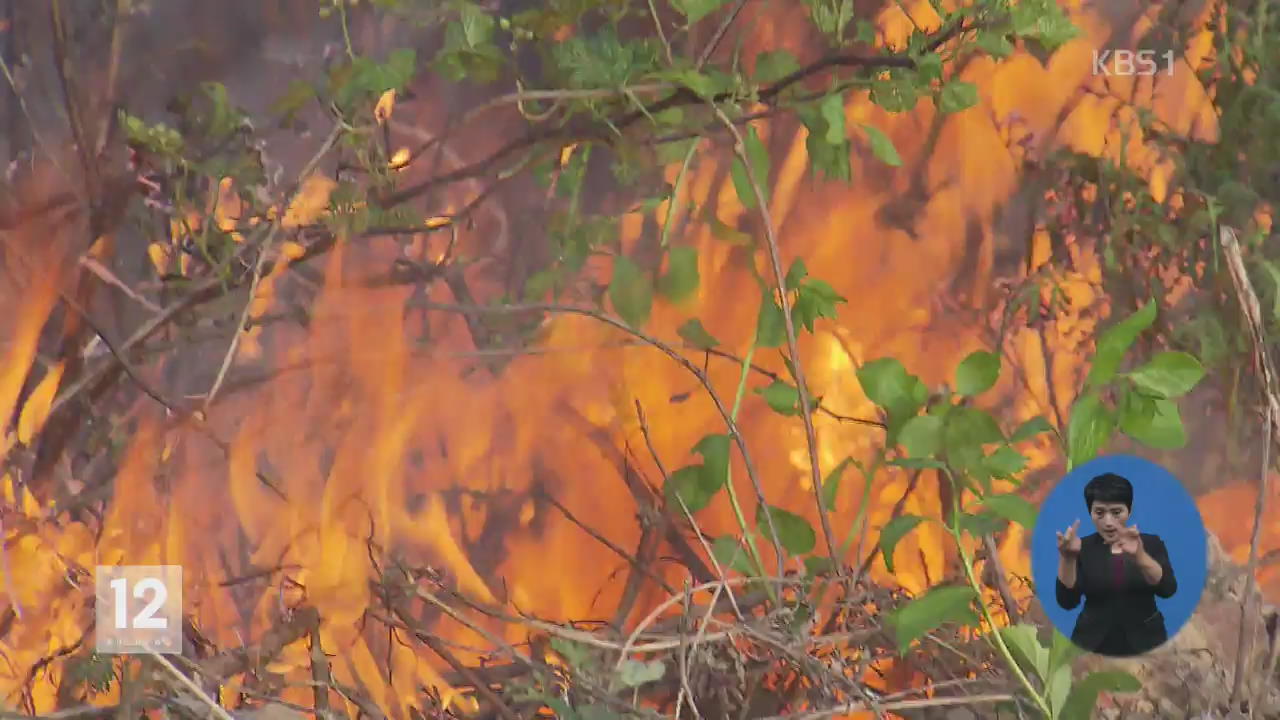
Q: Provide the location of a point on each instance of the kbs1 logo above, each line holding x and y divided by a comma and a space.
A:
1132, 63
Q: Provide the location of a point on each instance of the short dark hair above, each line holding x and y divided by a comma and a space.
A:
1108, 488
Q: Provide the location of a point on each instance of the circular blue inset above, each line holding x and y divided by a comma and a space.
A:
1161, 506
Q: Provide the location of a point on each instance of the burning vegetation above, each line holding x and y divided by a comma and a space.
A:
691, 358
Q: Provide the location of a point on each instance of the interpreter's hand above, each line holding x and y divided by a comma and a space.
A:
1069, 541
1129, 540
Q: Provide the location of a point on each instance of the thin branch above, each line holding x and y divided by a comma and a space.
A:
793, 347
91, 264
719, 34
662, 34
321, 674
447, 655
605, 541
32, 126
589, 130
113, 75
261, 266
190, 685
199, 419
9, 591
735, 433
850, 708
1253, 318
74, 117
726, 355
648, 441
996, 569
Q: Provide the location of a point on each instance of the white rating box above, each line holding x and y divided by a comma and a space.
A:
138, 609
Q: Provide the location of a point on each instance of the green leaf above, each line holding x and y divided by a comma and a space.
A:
826, 140
1115, 341
771, 330
635, 673
815, 566
795, 274
794, 532
977, 373
994, 44
979, 524
1169, 374
95, 671
602, 59
970, 428
882, 147
865, 32
941, 605
698, 484
1043, 20
1030, 429
1005, 462
830, 16
298, 95
1154, 422
575, 653
832, 110
928, 67
957, 96
1013, 508
1088, 430
893, 532
758, 156
693, 485
630, 293
888, 384
816, 299
695, 10
831, 484
1026, 648
916, 463
774, 65
696, 335
1057, 688
733, 236
782, 397
681, 280
702, 84
1084, 696
895, 93
730, 553
1062, 652
675, 150
714, 450
1273, 274
921, 435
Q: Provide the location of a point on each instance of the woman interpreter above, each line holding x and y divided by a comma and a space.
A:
1118, 571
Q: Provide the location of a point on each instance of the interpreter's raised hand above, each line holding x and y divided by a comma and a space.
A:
1129, 540
1069, 541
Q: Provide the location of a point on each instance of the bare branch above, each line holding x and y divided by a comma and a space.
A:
1271, 396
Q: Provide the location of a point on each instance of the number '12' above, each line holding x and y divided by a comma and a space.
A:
145, 619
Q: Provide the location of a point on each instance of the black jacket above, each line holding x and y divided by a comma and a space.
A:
1120, 616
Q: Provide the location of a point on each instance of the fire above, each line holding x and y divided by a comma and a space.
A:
363, 438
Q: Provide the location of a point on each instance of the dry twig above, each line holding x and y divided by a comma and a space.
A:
735, 433
259, 269
1253, 318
